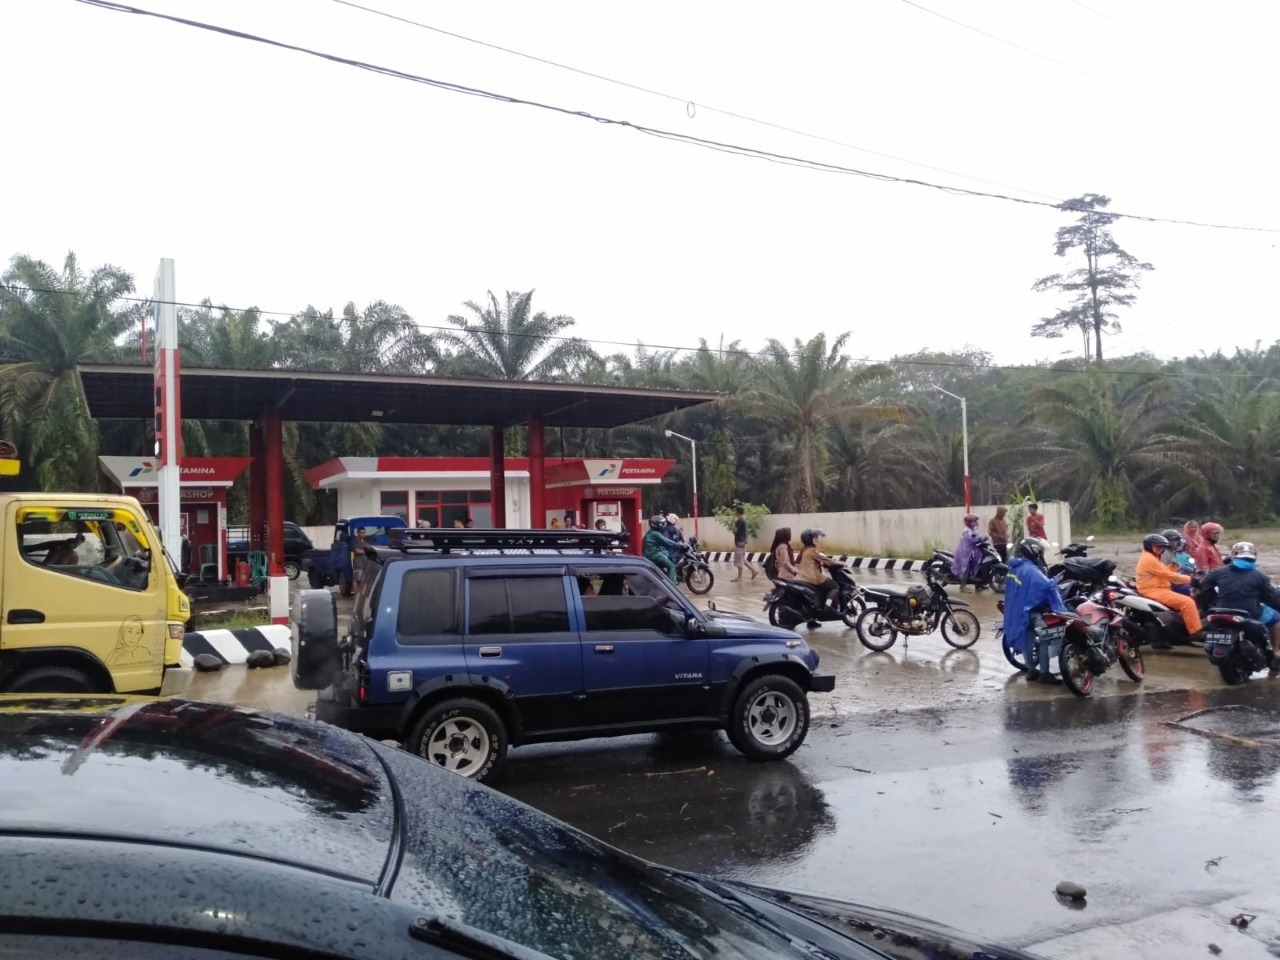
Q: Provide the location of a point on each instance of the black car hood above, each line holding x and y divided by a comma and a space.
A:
195, 774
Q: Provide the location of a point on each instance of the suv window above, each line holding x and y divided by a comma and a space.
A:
428, 606
517, 605
627, 601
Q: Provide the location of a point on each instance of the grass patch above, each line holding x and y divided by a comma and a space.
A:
229, 619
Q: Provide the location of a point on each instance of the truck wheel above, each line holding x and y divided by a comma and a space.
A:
315, 641
291, 569
770, 718
344, 584
462, 735
316, 581
53, 679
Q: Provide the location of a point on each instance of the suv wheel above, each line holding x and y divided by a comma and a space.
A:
291, 569
770, 718
464, 736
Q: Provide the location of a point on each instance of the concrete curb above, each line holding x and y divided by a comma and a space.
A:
234, 646
858, 563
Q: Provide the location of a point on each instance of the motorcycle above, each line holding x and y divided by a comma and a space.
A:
991, 570
1236, 644
793, 602
1093, 638
693, 570
915, 611
1148, 621
1080, 577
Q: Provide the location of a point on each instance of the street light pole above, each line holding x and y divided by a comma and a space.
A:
693, 446
964, 433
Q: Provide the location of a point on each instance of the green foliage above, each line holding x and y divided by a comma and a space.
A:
753, 513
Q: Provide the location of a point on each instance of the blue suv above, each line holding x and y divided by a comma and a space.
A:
464, 642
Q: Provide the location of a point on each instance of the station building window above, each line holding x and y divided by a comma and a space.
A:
395, 503
440, 508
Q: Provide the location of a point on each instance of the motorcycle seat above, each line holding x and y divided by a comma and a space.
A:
1231, 610
887, 590
1090, 569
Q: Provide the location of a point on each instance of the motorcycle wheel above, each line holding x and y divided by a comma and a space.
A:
960, 628
1130, 660
872, 619
854, 607
1013, 655
700, 579
997, 580
1233, 671
1073, 665
780, 615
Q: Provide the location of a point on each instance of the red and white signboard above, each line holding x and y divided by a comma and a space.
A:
195, 471
629, 470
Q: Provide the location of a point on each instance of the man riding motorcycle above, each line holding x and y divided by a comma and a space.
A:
656, 546
1207, 556
1028, 591
812, 564
1240, 586
1155, 581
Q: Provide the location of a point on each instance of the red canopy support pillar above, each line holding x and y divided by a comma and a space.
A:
277, 583
497, 478
537, 474
257, 491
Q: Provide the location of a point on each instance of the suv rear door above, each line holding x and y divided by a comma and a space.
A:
519, 632
639, 664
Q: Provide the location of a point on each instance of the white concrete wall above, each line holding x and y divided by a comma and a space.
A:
880, 533
363, 497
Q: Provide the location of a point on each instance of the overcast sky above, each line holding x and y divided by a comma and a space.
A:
279, 180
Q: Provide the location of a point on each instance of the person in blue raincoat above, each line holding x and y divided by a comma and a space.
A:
968, 553
1028, 591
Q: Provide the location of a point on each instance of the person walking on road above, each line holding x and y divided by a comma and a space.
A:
998, 532
740, 538
1035, 522
1155, 581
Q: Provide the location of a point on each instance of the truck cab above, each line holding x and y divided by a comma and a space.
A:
89, 600
333, 565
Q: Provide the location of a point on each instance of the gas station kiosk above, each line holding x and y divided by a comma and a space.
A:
203, 485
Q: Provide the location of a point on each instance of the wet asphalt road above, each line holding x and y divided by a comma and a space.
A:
936, 782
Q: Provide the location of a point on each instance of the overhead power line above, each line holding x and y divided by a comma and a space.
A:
673, 348
732, 148
691, 103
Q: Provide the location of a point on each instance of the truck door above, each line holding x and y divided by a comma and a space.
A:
518, 632
83, 579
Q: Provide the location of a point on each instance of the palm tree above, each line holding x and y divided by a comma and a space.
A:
1104, 442
50, 323
805, 390
509, 342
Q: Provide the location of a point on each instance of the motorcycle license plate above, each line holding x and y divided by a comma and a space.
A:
1051, 638
1218, 644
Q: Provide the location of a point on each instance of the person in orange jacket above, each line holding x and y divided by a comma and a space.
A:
1155, 581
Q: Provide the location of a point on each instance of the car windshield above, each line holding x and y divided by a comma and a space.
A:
110, 540
476, 857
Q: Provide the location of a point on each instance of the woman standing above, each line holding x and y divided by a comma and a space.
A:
784, 558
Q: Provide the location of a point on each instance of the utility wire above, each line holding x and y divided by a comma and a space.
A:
722, 352
689, 139
691, 103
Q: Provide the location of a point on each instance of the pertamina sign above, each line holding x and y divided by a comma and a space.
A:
145, 471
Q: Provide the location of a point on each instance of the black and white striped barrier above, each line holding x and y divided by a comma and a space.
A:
858, 563
234, 646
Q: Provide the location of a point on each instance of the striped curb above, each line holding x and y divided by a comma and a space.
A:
857, 563
234, 646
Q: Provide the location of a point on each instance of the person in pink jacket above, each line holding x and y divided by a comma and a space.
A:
1206, 554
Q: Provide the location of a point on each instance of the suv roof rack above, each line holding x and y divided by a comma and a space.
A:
445, 540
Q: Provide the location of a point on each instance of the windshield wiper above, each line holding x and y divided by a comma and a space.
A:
470, 942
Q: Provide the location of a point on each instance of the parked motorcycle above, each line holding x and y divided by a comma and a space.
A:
793, 602
1094, 638
1237, 645
1080, 577
991, 569
915, 611
692, 568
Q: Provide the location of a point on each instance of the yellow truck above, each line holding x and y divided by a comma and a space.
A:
89, 600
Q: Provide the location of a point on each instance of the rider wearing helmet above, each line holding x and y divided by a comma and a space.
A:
1155, 581
1028, 591
657, 544
1241, 586
968, 555
1207, 556
812, 564
1177, 558
671, 530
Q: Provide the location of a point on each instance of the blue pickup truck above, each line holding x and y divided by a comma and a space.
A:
462, 642
326, 567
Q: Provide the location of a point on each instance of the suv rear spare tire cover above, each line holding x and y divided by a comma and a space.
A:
315, 641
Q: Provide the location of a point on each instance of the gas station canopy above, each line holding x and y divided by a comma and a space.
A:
126, 392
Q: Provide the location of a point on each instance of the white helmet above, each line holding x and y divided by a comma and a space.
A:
1244, 550
672, 518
